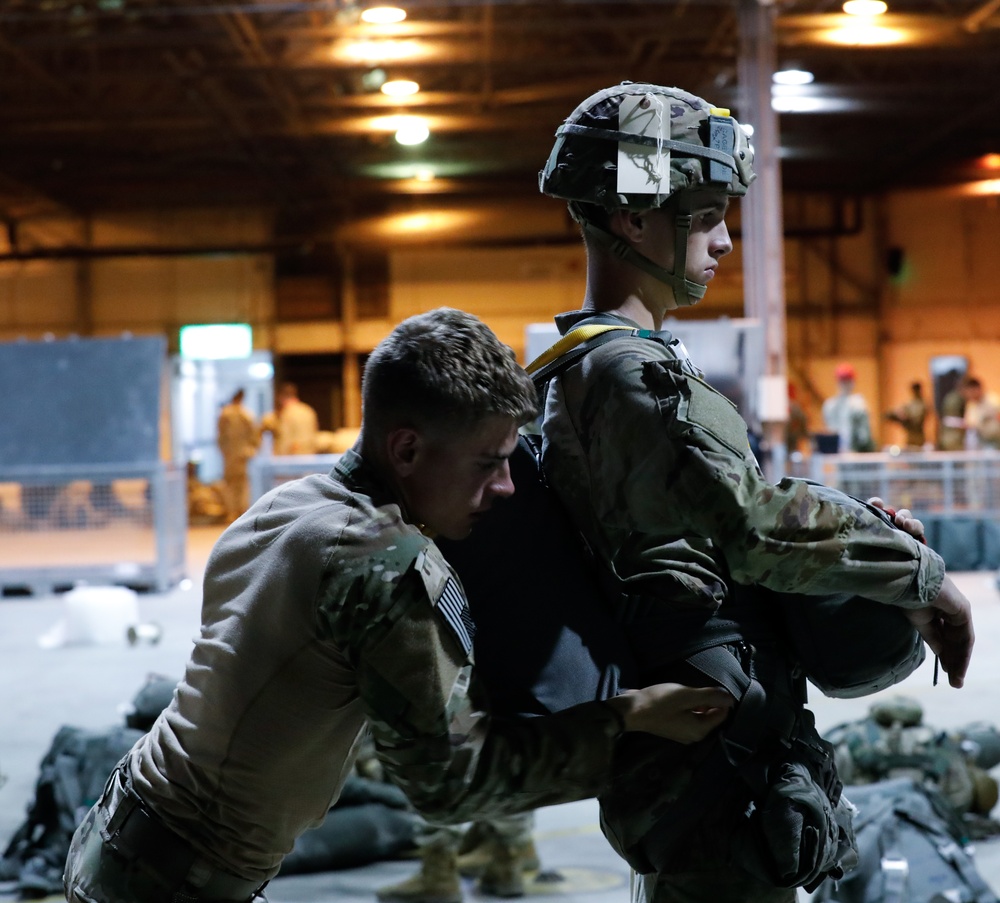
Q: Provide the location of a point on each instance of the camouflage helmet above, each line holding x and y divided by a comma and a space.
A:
612, 149
634, 146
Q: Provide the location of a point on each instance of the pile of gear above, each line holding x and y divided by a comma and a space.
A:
922, 796
894, 742
371, 821
72, 775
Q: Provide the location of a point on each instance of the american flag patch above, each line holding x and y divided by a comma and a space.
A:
455, 610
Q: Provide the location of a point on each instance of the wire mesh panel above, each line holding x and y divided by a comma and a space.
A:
116, 524
268, 471
955, 494
942, 484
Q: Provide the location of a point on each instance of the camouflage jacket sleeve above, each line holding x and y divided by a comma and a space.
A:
404, 626
675, 461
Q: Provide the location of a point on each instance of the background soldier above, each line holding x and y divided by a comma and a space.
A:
911, 416
238, 439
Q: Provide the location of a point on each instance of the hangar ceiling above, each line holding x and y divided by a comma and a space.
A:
118, 104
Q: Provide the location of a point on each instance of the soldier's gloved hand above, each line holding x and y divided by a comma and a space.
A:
673, 711
903, 518
946, 627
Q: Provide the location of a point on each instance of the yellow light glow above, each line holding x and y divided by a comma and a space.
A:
400, 87
383, 15
989, 161
430, 221
985, 187
865, 7
864, 34
424, 174
379, 51
393, 123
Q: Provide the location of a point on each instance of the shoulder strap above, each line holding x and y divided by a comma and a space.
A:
577, 342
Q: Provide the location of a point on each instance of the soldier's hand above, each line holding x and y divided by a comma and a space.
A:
673, 711
903, 518
946, 627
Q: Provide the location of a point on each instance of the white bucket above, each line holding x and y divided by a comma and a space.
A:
99, 614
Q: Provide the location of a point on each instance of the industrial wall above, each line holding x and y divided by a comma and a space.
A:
886, 283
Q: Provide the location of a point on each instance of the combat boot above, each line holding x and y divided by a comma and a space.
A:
503, 875
436, 882
474, 862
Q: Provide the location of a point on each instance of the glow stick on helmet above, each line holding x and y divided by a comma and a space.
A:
606, 156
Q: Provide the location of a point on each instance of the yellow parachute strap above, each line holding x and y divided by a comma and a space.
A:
569, 341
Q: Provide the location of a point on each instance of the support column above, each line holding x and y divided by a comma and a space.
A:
351, 379
762, 226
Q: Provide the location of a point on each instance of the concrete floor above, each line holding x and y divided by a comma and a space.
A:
42, 689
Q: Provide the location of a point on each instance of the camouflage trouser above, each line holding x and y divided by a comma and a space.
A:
510, 829
97, 873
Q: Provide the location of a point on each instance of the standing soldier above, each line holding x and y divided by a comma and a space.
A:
846, 414
238, 440
293, 422
911, 416
654, 467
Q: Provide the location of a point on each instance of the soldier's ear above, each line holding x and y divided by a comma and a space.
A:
403, 446
628, 224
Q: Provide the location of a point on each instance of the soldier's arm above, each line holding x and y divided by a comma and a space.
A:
686, 470
947, 625
793, 537
454, 762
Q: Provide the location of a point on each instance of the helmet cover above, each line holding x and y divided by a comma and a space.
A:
678, 142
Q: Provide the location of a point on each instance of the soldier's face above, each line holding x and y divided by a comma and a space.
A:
452, 481
708, 240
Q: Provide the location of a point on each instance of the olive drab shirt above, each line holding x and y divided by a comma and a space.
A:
325, 612
656, 469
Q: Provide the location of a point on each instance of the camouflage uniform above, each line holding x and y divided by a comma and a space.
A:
324, 613
655, 468
238, 438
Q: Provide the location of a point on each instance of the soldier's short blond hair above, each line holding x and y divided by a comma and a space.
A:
444, 370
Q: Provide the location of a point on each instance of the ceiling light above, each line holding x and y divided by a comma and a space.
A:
984, 187
400, 87
796, 104
383, 15
412, 130
799, 99
865, 7
864, 34
380, 51
793, 76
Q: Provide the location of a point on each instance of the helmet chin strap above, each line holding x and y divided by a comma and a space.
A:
686, 293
